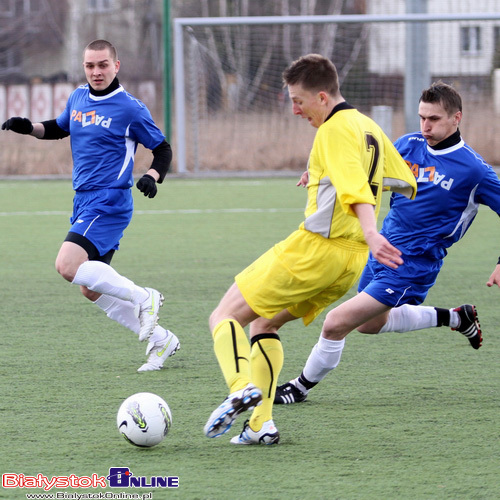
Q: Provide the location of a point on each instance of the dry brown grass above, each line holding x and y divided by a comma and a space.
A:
25, 155
275, 141
253, 142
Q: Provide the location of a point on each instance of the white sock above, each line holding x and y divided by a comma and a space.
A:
121, 311
102, 278
407, 318
324, 357
302, 388
454, 319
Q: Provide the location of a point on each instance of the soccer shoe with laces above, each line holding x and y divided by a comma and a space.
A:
159, 352
148, 313
469, 324
223, 417
267, 435
287, 394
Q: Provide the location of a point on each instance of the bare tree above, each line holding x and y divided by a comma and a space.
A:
329, 32
241, 55
28, 30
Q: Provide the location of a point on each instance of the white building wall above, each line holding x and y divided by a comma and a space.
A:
387, 40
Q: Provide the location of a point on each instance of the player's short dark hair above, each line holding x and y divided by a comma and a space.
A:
444, 94
102, 45
314, 73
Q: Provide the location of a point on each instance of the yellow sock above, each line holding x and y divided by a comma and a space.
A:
266, 362
232, 350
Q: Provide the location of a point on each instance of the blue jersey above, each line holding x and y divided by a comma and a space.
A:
104, 133
452, 183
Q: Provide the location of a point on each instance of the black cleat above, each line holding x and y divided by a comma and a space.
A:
469, 324
287, 394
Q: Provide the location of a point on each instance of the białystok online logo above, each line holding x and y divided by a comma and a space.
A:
119, 477
122, 477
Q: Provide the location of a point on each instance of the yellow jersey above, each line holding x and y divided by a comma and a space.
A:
351, 161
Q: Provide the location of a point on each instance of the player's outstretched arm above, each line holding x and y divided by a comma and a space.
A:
380, 247
24, 126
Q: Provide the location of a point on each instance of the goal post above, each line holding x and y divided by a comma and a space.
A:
231, 110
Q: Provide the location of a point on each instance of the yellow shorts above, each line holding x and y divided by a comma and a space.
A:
304, 273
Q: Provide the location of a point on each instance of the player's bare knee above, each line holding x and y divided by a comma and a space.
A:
64, 270
219, 314
332, 330
367, 329
89, 294
212, 322
373, 326
263, 325
226, 309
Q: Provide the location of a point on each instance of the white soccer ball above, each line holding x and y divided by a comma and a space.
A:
144, 419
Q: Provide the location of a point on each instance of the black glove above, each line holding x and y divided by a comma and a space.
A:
19, 125
147, 185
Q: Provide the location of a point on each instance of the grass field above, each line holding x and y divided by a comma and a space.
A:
404, 416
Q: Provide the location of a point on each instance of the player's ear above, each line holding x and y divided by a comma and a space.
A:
323, 97
457, 118
117, 66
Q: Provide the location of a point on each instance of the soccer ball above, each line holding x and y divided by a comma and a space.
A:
144, 419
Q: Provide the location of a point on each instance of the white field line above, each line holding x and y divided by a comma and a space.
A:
187, 211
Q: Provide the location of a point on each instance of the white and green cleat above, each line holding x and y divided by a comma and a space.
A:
159, 351
148, 313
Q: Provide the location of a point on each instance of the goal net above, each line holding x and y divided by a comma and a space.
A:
233, 115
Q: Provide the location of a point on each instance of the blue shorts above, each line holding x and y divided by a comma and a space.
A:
101, 216
408, 284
